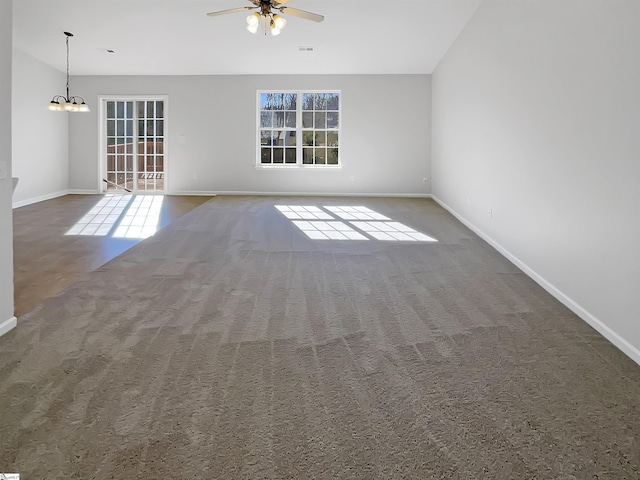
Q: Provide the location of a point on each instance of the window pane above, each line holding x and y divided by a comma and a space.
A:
278, 119
332, 119
291, 120
265, 137
307, 156
111, 109
150, 106
321, 155
160, 128
290, 155
150, 129
111, 127
307, 101
307, 137
332, 156
321, 120
111, 162
332, 101
265, 101
129, 127
332, 139
266, 119
140, 109
307, 120
129, 146
265, 155
120, 109
129, 109
110, 142
278, 155
321, 138
290, 139
290, 101
271, 101
320, 101
278, 137
120, 127
160, 147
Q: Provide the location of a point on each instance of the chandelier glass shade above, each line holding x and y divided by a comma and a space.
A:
68, 102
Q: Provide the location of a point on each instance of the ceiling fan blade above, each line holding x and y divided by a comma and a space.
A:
314, 17
232, 10
277, 3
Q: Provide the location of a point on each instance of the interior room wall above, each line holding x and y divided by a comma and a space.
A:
40, 137
536, 114
7, 320
384, 148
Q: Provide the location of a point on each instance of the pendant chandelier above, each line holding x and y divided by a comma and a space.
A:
68, 103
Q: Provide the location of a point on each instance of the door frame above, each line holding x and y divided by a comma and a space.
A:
102, 140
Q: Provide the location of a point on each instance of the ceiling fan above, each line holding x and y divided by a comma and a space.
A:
266, 13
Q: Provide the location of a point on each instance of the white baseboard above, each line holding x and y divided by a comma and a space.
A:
8, 325
194, 193
83, 192
628, 349
41, 198
303, 194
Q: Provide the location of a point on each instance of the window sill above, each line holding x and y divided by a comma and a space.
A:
298, 167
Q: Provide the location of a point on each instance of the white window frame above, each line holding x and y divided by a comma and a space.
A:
298, 129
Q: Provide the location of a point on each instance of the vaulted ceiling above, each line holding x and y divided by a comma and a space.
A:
175, 37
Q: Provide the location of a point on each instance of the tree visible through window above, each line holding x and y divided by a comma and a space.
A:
299, 128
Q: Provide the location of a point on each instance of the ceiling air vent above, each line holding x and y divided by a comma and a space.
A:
305, 49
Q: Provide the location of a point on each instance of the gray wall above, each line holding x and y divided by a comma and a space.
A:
536, 117
383, 146
40, 137
7, 320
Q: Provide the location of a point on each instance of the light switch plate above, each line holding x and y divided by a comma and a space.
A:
3, 170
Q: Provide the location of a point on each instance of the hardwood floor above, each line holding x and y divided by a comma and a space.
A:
47, 261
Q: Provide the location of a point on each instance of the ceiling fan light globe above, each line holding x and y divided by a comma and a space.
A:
83, 107
279, 22
252, 28
275, 31
253, 19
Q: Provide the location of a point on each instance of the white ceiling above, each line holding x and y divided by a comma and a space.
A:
175, 37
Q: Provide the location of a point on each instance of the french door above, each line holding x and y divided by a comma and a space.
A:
133, 145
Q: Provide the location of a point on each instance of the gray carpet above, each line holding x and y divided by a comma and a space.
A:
231, 346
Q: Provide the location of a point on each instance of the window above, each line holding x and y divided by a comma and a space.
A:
299, 128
